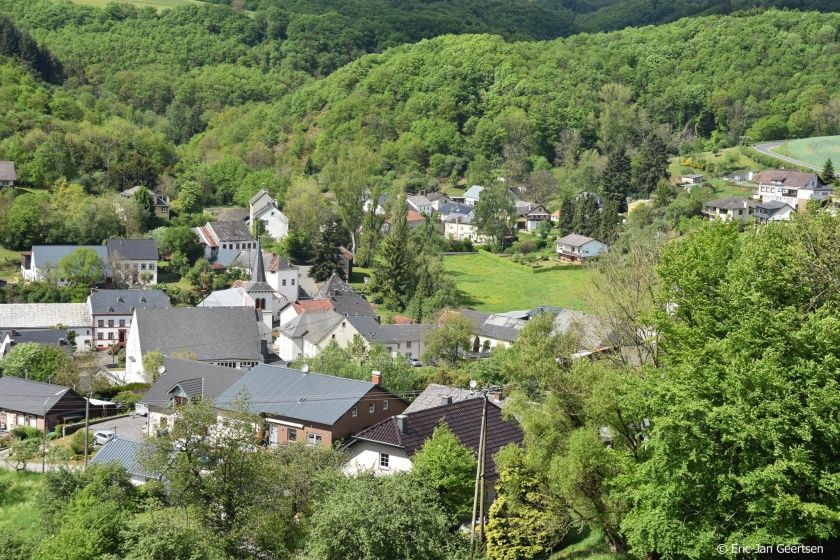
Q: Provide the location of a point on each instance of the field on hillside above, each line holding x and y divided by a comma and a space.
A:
812, 150
158, 4
493, 283
17, 512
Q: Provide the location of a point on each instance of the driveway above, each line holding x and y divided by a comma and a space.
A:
128, 427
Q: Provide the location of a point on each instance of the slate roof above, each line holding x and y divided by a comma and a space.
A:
33, 397
134, 249
309, 397
370, 329
408, 332
214, 233
216, 379
50, 255
124, 302
7, 171
352, 305
574, 240
729, 203
787, 177
434, 394
474, 192
312, 325
463, 418
125, 453
231, 297
455, 209
436, 195
771, 207
334, 286
212, 333
44, 337
43, 315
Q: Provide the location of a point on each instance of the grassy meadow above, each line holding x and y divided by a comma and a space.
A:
813, 150
17, 509
493, 283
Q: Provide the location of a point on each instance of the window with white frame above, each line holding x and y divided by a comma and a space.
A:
354, 411
372, 408
384, 405
313, 438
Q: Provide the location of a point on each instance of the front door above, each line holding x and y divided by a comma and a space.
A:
273, 432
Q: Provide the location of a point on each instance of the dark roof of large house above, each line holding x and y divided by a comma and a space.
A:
194, 378
32, 397
463, 418
334, 286
406, 332
730, 203
124, 302
133, 249
7, 171
211, 333
370, 329
309, 397
231, 231
787, 177
574, 240
125, 453
352, 305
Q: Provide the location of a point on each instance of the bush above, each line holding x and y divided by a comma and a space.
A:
526, 246
5, 486
26, 432
77, 443
127, 398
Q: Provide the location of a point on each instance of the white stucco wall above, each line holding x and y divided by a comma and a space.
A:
364, 457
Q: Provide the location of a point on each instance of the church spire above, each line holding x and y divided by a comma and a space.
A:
258, 270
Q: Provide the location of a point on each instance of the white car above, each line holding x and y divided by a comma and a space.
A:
103, 436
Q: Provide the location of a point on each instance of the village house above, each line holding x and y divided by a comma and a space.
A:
41, 263
438, 200
263, 208
111, 312
8, 176
461, 227
55, 338
772, 211
181, 381
389, 446
419, 203
413, 220
502, 329
133, 261
688, 180
729, 209
38, 405
579, 248
300, 406
217, 236
381, 203
226, 336
794, 188
472, 195
127, 454
161, 201
530, 215
73, 318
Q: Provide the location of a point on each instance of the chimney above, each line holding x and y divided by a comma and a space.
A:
445, 400
376, 377
402, 423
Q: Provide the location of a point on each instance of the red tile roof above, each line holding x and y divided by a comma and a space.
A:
463, 418
313, 305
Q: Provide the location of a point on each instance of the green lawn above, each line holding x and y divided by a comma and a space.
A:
812, 150
17, 512
158, 4
9, 264
493, 283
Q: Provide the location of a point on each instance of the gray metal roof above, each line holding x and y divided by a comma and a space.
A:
43, 315
213, 381
124, 302
212, 333
434, 394
50, 255
310, 397
125, 453
133, 249
474, 192
32, 397
7, 171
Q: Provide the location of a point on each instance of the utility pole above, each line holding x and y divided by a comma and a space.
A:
44, 440
87, 421
478, 495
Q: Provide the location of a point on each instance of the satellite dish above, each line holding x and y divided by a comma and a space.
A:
304, 368
473, 384
161, 369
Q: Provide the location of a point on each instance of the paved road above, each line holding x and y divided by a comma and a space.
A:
128, 427
767, 148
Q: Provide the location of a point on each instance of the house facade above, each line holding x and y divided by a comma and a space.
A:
420, 203
794, 188
314, 408
41, 263
772, 211
133, 261
462, 227
530, 215
579, 248
730, 209
111, 312
232, 235
263, 208
8, 176
161, 201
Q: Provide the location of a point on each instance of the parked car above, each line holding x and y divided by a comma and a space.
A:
414, 362
103, 436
